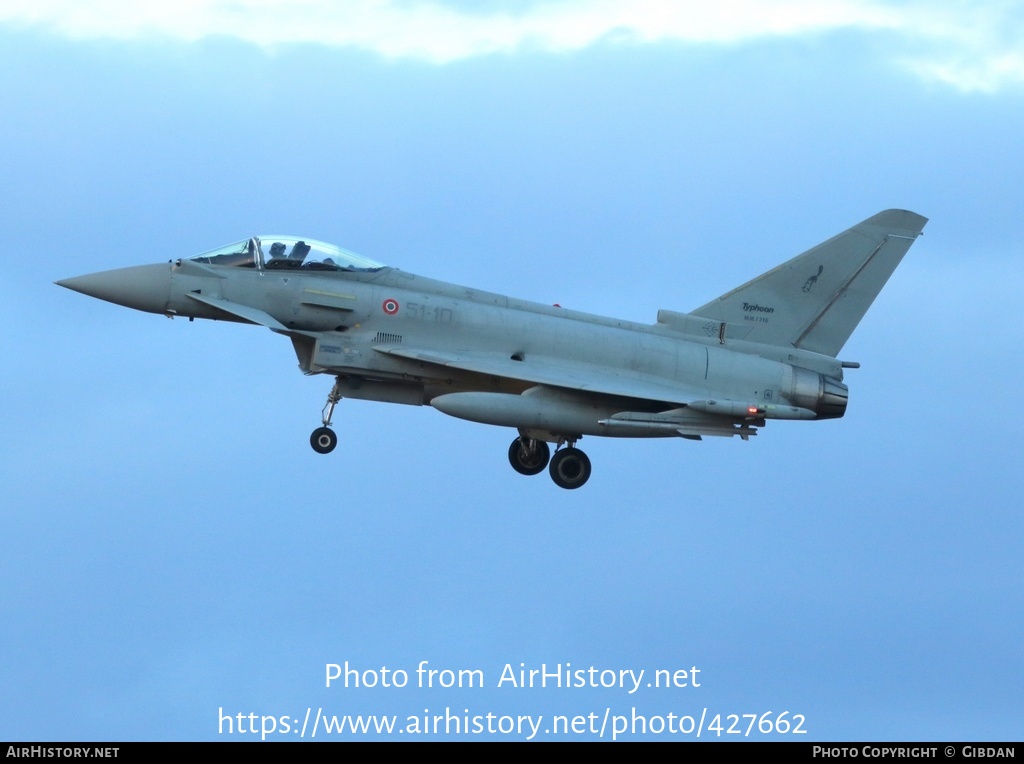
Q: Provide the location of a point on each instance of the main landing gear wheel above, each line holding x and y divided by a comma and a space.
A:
570, 468
528, 456
323, 440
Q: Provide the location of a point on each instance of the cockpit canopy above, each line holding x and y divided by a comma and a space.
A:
287, 253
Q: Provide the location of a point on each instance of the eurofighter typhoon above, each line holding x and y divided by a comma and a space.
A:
765, 350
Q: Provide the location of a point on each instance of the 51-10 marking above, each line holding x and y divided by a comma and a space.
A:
429, 313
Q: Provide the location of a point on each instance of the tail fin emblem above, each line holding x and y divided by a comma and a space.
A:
812, 280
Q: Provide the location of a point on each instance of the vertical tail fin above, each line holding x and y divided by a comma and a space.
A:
816, 300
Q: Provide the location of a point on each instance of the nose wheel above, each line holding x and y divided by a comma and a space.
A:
323, 440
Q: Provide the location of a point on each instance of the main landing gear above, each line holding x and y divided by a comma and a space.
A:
569, 467
323, 440
528, 456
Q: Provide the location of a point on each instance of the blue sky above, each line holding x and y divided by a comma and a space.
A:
173, 546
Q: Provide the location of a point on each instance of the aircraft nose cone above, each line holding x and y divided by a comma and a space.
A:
143, 287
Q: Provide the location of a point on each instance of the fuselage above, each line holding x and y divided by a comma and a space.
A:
345, 322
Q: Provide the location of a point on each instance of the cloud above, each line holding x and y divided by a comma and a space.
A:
970, 46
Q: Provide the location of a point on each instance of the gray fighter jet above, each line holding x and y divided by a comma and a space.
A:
766, 350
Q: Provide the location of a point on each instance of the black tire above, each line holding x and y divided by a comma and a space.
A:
532, 464
570, 468
323, 440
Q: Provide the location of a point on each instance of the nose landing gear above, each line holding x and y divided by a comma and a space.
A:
323, 440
